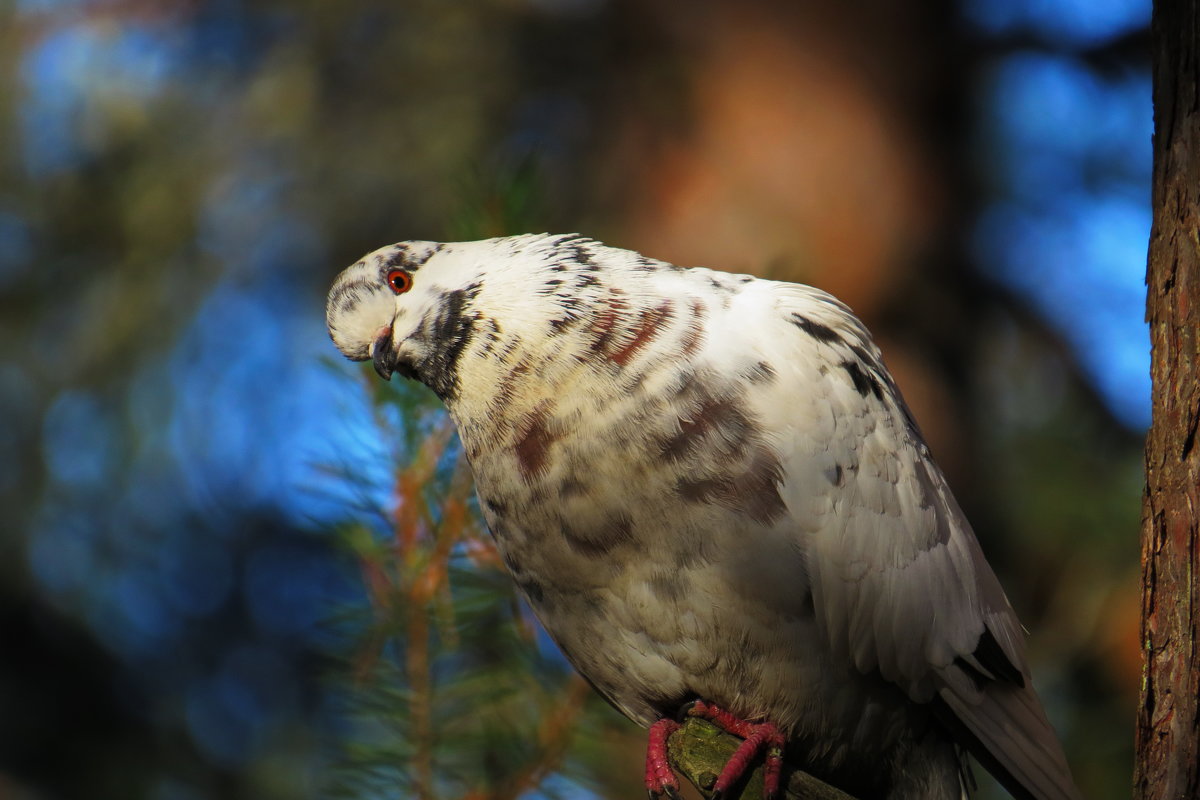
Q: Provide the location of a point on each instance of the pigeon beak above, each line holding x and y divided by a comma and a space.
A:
382, 354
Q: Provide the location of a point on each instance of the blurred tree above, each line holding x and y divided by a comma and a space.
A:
1168, 749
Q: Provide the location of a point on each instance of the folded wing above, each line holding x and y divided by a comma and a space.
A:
899, 583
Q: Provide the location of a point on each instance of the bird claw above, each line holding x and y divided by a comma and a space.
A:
759, 739
686, 710
660, 779
670, 791
773, 772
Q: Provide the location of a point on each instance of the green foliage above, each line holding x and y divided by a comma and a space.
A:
504, 199
447, 690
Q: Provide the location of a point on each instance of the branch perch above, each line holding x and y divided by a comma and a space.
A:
699, 749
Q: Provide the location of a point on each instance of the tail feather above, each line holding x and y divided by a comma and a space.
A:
1005, 728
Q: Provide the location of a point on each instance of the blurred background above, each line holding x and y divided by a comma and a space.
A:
234, 567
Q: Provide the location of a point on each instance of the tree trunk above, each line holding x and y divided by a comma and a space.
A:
1168, 727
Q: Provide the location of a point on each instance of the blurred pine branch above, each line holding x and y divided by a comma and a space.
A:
447, 694
500, 199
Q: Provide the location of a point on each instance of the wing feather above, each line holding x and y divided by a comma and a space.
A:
899, 582
1004, 726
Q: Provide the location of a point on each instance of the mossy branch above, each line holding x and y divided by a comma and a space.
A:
699, 749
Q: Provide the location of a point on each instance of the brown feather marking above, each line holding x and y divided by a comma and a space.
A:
598, 540
506, 389
753, 491
534, 440
714, 412
604, 322
650, 323
693, 334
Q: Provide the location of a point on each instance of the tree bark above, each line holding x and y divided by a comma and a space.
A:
1168, 726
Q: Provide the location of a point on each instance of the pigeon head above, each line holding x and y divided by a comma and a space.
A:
416, 308
396, 309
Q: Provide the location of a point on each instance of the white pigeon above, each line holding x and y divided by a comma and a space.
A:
714, 498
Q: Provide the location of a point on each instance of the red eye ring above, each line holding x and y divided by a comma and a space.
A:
399, 281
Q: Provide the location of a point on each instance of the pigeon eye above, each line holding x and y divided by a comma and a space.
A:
399, 281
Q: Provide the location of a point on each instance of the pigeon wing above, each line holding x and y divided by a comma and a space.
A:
899, 583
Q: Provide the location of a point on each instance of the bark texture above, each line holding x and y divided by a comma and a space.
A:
1168, 726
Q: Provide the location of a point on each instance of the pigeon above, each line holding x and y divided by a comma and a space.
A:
713, 497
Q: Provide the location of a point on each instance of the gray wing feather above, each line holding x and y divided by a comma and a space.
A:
900, 585
1004, 726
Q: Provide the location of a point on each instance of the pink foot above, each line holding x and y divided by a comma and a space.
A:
660, 778
759, 737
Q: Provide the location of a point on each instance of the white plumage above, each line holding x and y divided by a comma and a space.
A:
709, 488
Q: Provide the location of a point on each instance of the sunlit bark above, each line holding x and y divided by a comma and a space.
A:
1169, 713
